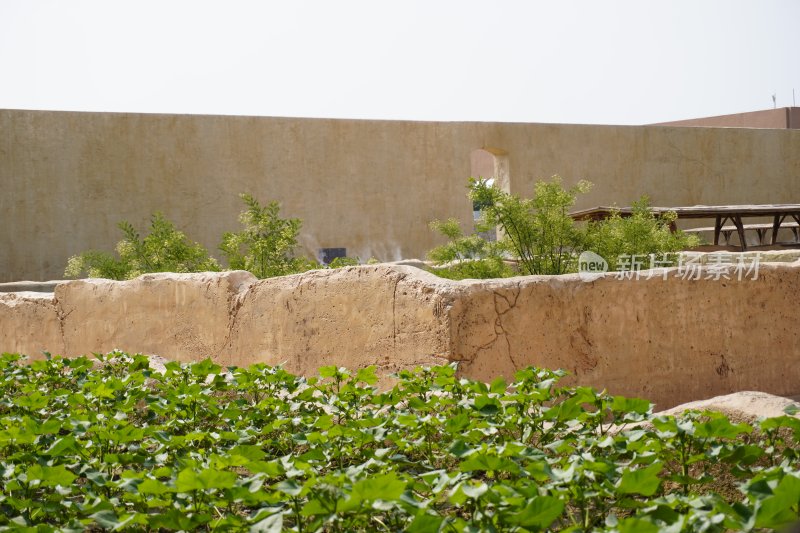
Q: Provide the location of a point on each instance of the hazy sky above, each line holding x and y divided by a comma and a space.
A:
615, 62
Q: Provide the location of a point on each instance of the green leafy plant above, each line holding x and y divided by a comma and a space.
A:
164, 249
466, 256
266, 245
642, 236
339, 262
113, 444
538, 231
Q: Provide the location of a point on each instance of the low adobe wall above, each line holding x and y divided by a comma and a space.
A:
670, 340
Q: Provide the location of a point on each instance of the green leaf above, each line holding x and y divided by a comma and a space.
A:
774, 512
50, 476
106, 519
204, 368
248, 452
387, 487
367, 375
457, 423
487, 406
637, 525
721, 427
271, 524
474, 491
290, 487
425, 523
63, 446
489, 463
789, 487
190, 480
175, 519
153, 486
630, 405
539, 513
328, 371
498, 386
644, 481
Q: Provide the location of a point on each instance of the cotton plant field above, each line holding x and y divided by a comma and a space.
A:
110, 444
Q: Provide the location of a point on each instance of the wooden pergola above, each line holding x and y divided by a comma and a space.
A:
720, 213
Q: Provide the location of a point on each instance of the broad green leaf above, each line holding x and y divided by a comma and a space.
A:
721, 427
637, 525
190, 480
425, 523
106, 519
489, 463
789, 487
290, 487
328, 371
270, 524
367, 375
644, 481
63, 446
205, 368
248, 452
487, 406
775, 511
50, 476
498, 386
153, 486
538, 514
174, 519
386, 487
457, 423
474, 491
781, 421
630, 405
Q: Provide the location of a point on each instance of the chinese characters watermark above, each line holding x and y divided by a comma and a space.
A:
711, 266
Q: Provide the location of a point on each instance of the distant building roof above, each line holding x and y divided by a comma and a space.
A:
782, 118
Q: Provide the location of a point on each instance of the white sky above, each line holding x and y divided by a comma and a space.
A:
612, 62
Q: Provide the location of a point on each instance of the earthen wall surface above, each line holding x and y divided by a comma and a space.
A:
669, 340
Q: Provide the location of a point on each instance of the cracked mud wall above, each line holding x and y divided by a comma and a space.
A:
29, 324
669, 340
391, 317
178, 316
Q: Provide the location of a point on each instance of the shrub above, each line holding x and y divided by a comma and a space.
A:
643, 234
266, 244
538, 231
339, 262
466, 256
165, 249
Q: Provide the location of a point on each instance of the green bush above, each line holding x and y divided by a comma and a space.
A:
266, 245
641, 236
540, 234
118, 446
466, 256
538, 231
339, 262
164, 249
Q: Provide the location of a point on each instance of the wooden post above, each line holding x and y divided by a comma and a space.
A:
776, 225
717, 228
737, 221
